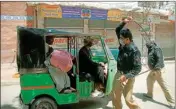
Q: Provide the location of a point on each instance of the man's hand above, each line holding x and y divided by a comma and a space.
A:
123, 78
127, 19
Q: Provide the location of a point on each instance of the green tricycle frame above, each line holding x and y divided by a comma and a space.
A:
37, 86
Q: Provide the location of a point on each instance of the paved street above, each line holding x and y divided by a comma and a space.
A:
9, 95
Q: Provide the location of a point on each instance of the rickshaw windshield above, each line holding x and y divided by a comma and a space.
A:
109, 52
97, 49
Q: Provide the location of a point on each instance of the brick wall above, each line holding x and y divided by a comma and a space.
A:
8, 28
31, 12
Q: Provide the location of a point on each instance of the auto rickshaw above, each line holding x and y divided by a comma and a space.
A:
37, 87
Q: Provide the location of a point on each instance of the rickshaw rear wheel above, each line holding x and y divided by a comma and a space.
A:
44, 103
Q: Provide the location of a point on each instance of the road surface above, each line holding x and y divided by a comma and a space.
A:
9, 95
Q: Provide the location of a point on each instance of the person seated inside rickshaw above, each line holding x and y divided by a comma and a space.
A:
88, 66
59, 62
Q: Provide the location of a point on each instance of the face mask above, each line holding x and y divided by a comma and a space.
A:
121, 42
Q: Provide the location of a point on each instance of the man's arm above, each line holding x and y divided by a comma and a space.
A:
86, 58
136, 65
158, 58
125, 20
119, 60
118, 28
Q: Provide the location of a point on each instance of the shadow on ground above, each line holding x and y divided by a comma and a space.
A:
83, 104
144, 99
8, 106
88, 104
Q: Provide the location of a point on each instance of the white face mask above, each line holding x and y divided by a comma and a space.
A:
121, 42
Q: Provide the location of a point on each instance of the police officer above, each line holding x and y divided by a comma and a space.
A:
128, 64
156, 65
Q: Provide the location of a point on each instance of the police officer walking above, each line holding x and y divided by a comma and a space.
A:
128, 64
156, 65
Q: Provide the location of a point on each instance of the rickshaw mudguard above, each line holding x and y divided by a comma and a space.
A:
41, 85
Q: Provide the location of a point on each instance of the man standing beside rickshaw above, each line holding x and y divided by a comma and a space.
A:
128, 64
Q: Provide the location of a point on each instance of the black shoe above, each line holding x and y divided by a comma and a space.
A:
145, 95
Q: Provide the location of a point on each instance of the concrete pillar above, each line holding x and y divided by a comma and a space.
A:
86, 26
105, 32
35, 17
153, 31
40, 19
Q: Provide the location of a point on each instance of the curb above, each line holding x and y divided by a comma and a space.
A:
12, 82
169, 61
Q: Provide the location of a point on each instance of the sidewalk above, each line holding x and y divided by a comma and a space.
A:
8, 70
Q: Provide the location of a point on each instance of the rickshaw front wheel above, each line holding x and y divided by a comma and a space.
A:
43, 103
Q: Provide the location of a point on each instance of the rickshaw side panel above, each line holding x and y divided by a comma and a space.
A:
28, 96
37, 85
34, 79
85, 89
99, 59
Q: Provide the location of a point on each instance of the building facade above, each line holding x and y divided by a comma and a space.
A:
77, 19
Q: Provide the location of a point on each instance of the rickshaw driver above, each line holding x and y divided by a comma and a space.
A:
88, 66
60, 78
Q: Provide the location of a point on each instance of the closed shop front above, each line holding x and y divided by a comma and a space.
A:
165, 38
73, 25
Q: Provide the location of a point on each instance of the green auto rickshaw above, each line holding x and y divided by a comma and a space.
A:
38, 89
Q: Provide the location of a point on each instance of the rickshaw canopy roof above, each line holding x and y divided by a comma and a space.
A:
53, 32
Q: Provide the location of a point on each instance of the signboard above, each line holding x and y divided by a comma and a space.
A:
85, 13
8, 17
109, 40
115, 15
77, 12
164, 17
60, 43
71, 12
154, 19
98, 14
53, 11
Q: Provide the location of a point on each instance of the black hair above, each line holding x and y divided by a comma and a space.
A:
48, 39
126, 33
